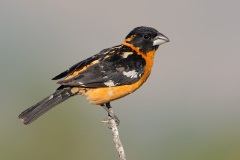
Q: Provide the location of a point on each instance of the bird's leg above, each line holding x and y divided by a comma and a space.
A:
111, 114
109, 109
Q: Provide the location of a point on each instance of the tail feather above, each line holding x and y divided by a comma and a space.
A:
34, 112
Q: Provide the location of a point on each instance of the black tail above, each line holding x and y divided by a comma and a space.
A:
34, 112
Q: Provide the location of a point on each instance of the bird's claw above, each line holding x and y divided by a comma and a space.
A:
110, 117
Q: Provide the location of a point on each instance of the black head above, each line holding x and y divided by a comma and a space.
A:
146, 38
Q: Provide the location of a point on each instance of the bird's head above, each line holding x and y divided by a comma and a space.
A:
145, 39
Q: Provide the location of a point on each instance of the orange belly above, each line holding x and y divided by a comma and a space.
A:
104, 95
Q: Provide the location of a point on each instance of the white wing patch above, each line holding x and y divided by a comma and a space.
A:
126, 54
81, 84
51, 97
109, 83
131, 74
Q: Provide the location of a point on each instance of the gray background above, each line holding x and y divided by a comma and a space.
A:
188, 109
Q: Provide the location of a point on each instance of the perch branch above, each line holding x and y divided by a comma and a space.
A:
116, 138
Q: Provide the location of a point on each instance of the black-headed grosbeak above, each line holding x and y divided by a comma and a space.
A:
109, 75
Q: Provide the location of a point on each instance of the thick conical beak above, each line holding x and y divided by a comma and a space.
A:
160, 39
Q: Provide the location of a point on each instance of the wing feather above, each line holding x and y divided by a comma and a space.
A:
80, 65
119, 68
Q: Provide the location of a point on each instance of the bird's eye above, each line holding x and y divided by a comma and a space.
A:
147, 36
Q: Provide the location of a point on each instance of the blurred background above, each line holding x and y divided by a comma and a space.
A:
188, 109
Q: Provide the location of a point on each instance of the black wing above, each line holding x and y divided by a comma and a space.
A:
115, 69
80, 65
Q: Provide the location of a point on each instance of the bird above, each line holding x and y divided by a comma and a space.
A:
106, 76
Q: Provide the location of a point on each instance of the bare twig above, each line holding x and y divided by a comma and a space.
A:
116, 138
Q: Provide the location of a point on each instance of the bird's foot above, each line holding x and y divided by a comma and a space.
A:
110, 117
